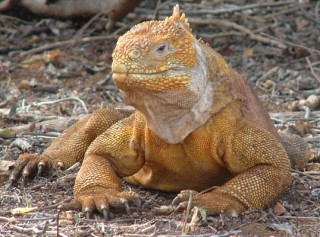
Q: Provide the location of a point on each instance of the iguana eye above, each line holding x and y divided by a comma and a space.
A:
162, 49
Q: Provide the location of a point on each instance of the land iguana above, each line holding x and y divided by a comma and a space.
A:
197, 125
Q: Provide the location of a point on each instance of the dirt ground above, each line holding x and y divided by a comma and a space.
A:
52, 69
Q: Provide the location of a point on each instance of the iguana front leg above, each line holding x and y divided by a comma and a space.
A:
262, 173
109, 157
68, 148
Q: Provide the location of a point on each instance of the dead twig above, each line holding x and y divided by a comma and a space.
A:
312, 70
57, 223
9, 30
86, 26
316, 10
241, 8
34, 219
305, 174
46, 124
314, 19
280, 13
66, 179
302, 217
156, 10
32, 230
12, 18
291, 44
240, 28
8, 220
67, 42
220, 35
26, 108
265, 76
187, 213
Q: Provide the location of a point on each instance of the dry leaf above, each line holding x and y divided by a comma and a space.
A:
248, 52
66, 218
5, 169
39, 60
269, 84
313, 167
301, 23
22, 210
296, 52
301, 128
7, 133
279, 209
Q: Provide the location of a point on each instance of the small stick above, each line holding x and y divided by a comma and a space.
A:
57, 101
86, 26
301, 217
64, 43
291, 44
304, 174
58, 214
316, 20
311, 69
9, 220
317, 10
276, 14
241, 8
241, 28
187, 213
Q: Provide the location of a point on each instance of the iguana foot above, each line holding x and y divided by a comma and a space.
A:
28, 165
213, 202
101, 199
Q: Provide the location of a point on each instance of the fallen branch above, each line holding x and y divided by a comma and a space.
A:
240, 28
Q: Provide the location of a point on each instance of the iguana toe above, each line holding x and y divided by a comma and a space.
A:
102, 198
23, 168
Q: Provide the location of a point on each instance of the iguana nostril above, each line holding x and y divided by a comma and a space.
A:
119, 68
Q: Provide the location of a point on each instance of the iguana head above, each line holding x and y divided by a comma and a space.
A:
166, 74
155, 55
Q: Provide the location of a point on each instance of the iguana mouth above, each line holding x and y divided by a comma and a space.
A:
119, 68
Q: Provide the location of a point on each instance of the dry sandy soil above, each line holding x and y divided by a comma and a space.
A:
53, 69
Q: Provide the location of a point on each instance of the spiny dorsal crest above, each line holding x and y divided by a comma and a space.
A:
176, 17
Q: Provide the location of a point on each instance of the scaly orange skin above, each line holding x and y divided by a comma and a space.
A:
197, 125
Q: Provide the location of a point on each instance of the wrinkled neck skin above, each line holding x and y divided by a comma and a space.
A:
173, 115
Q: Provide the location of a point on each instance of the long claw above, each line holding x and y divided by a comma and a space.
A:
182, 205
176, 200
126, 205
24, 180
138, 202
87, 214
183, 196
60, 165
40, 168
105, 214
